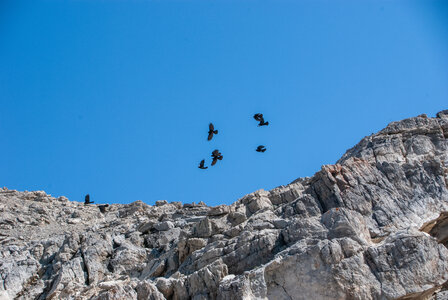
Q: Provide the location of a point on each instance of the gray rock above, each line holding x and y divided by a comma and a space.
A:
218, 210
442, 114
163, 226
161, 202
146, 227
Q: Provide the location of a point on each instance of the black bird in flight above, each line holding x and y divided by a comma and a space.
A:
261, 148
259, 118
87, 200
211, 131
103, 207
201, 165
216, 155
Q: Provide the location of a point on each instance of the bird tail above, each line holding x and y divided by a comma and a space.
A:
267, 123
263, 150
215, 132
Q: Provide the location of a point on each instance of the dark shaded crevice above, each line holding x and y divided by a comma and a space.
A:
110, 267
372, 266
283, 288
84, 267
47, 288
146, 243
286, 292
322, 205
374, 155
280, 244
115, 245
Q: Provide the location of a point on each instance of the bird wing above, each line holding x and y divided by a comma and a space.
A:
215, 152
258, 116
211, 127
214, 161
201, 164
210, 136
262, 122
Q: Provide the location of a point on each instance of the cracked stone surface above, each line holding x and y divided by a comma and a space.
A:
372, 226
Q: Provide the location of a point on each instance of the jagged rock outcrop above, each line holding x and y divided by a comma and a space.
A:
372, 226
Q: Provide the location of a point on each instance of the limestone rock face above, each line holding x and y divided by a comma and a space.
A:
372, 226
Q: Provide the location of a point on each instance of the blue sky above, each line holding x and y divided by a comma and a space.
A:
113, 98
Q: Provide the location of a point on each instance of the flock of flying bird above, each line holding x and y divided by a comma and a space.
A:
216, 155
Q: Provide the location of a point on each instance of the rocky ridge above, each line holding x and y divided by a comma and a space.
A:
372, 226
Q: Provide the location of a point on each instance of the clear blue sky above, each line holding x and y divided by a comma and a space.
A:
113, 98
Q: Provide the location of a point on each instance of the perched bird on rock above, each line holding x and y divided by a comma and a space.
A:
261, 148
201, 165
87, 200
211, 131
216, 155
259, 118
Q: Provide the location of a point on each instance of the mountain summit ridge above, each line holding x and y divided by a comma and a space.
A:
372, 226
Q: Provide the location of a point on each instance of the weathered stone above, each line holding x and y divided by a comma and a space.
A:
442, 114
146, 227
218, 210
161, 202
163, 226
148, 291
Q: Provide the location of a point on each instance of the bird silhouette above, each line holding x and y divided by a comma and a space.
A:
261, 148
216, 155
201, 165
103, 207
211, 131
260, 118
87, 200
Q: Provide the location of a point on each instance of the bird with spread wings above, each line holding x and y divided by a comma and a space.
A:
211, 131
